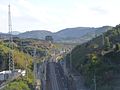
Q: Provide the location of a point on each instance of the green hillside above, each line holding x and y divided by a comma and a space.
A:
99, 59
23, 50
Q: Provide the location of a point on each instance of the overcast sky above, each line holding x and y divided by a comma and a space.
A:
54, 15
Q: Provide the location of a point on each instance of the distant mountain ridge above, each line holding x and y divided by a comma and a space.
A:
38, 34
73, 32
68, 35
80, 34
97, 32
15, 32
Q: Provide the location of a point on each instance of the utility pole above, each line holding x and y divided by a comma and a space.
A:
54, 58
95, 34
64, 54
26, 60
70, 59
95, 88
65, 62
103, 39
35, 69
11, 61
26, 64
45, 67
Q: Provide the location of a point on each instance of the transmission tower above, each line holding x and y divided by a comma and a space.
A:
11, 61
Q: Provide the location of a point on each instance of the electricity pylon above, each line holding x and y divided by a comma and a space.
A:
11, 61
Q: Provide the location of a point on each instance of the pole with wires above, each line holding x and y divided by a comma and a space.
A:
70, 59
35, 68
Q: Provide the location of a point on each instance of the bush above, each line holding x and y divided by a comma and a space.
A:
17, 85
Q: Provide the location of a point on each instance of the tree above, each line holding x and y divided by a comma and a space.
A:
18, 85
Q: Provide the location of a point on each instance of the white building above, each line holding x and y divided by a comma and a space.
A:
4, 75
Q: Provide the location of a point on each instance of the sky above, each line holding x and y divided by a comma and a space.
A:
54, 15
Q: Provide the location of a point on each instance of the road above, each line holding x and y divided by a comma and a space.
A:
56, 80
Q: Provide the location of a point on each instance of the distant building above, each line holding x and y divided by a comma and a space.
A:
4, 75
49, 38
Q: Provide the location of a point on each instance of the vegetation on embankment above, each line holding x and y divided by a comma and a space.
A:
23, 58
98, 60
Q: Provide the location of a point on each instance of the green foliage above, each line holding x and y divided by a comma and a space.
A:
93, 58
17, 85
117, 47
3, 57
22, 83
21, 59
22, 56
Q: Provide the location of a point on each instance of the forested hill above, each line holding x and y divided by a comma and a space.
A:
22, 55
68, 35
23, 50
99, 59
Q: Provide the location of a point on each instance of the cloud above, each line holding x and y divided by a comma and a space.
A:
99, 10
55, 15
